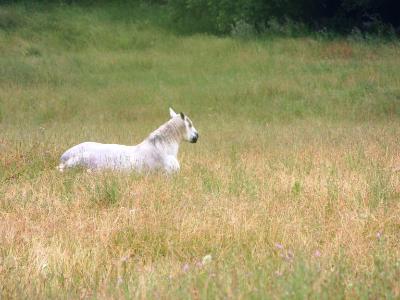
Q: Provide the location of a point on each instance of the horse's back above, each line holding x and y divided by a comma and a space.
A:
141, 157
78, 149
94, 155
92, 147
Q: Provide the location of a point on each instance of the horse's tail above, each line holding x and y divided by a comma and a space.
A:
65, 157
69, 163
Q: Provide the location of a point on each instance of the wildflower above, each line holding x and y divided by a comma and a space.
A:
119, 280
206, 259
290, 254
379, 235
125, 258
185, 267
317, 253
279, 246
43, 266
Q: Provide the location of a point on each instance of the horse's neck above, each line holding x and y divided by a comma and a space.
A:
171, 149
163, 147
166, 139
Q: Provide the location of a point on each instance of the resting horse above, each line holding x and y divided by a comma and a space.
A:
157, 152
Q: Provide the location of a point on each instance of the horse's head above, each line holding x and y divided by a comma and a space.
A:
190, 133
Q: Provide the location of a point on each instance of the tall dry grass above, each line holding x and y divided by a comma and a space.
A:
290, 189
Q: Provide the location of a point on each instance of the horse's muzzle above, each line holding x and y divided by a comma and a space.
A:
195, 138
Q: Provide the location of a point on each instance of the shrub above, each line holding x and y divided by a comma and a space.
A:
222, 15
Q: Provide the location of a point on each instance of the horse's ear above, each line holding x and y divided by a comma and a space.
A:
182, 116
172, 113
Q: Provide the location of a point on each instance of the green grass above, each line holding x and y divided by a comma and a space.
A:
291, 187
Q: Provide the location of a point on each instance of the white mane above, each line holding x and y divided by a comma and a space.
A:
170, 132
158, 151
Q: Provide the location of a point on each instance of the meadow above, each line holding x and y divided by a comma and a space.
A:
291, 191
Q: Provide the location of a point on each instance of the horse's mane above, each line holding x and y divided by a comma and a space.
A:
169, 132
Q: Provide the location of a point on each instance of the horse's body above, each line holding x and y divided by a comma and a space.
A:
158, 151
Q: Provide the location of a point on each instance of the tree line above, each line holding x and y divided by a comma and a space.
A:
227, 16
338, 15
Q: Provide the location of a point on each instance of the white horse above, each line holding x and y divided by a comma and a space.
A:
158, 151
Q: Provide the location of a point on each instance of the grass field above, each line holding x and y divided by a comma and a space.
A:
290, 189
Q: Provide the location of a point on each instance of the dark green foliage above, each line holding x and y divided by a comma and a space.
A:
222, 16
244, 17
10, 20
